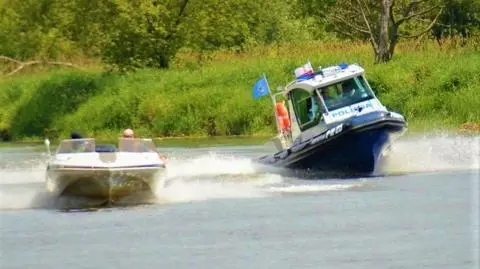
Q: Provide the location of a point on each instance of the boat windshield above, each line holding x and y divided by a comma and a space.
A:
76, 146
306, 107
136, 145
345, 93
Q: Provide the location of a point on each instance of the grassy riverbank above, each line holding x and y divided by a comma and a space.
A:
435, 88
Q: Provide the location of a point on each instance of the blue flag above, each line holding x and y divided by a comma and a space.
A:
261, 88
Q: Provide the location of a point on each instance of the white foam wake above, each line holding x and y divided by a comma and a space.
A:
22, 187
210, 164
428, 153
222, 176
213, 176
314, 188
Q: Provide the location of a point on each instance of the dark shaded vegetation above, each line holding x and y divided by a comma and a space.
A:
186, 68
431, 87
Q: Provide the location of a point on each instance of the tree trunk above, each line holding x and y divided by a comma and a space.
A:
393, 39
383, 53
164, 60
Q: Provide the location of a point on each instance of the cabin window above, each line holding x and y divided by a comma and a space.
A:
306, 107
345, 93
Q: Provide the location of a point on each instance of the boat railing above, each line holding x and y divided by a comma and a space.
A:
282, 140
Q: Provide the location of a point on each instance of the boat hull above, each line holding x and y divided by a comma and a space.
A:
104, 186
351, 148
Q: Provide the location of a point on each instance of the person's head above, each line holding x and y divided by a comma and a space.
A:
128, 133
348, 88
75, 135
309, 103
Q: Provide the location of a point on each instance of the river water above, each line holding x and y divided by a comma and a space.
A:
218, 209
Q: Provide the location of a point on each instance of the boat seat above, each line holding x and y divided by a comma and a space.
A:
105, 148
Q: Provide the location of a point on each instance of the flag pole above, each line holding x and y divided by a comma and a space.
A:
274, 104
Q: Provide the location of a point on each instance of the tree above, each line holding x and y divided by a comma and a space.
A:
149, 33
90, 25
459, 18
34, 28
317, 11
238, 24
381, 21
146, 33
131, 34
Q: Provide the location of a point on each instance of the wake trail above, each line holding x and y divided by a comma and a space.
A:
211, 175
431, 153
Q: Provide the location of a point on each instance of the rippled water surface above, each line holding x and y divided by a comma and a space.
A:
218, 209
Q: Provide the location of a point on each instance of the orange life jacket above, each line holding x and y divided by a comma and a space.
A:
282, 114
281, 110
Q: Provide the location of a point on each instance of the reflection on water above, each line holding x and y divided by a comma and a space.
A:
266, 217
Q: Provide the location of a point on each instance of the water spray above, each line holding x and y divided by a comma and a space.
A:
47, 144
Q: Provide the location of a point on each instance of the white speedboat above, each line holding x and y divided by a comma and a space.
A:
104, 174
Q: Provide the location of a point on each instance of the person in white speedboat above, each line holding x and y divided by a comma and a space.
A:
129, 134
131, 146
78, 146
75, 135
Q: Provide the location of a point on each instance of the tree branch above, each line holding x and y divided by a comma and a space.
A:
368, 11
428, 28
392, 16
10, 59
407, 17
178, 20
411, 6
372, 37
347, 34
22, 65
351, 25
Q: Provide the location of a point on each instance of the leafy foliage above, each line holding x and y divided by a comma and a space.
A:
216, 99
460, 18
383, 22
35, 28
132, 34
146, 33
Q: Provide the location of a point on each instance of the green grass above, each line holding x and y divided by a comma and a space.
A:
435, 88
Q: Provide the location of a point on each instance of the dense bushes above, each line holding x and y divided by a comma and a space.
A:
437, 90
431, 87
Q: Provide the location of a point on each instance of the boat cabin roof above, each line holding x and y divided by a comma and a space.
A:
325, 77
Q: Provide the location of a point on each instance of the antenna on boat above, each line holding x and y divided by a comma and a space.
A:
47, 144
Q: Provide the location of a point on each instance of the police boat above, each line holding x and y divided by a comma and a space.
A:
330, 121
